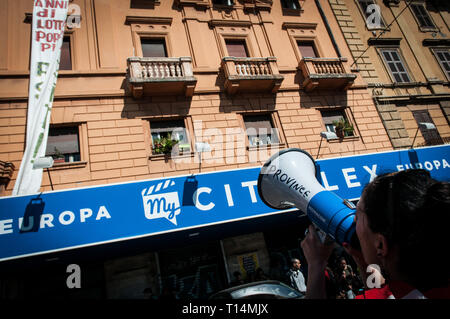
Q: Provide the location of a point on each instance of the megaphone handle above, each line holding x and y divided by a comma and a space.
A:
323, 236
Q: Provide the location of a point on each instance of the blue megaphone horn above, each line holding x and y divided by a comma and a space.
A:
288, 179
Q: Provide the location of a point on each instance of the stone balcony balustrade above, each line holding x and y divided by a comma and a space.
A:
251, 74
161, 76
326, 73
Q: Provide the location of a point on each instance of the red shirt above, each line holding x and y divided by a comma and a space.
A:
376, 293
399, 289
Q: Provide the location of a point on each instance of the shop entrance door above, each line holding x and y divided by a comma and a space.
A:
193, 272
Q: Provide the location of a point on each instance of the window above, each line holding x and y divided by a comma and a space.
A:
431, 136
290, 4
336, 121
260, 130
370, 14
236, 48
65, 61
223, 2
395, 64
153, 47
422, 16
443, 56
168, 135
63, 144
307, 49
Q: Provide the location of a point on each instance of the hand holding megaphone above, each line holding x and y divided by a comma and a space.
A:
288, 179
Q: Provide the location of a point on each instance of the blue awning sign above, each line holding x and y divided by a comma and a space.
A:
75, 218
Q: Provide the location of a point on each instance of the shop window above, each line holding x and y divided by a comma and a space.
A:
261, 130
236, 48
431, 136
290, 4
443, 56
63, 144
369, 14
395, 65
152, 47
307, 49
336, 121
65, 61
168, 135
422, 16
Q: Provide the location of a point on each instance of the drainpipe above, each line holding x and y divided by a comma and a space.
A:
324, 18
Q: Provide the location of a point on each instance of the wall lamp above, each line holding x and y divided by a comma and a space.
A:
44, 162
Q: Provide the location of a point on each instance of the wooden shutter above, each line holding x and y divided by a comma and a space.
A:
307, 49
422, 16
236, 48
395, 65
65, 62
443, 56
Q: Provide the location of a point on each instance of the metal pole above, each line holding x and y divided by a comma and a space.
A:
50, 178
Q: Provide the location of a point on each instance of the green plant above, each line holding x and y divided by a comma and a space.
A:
344, 126
58, 154
164, 145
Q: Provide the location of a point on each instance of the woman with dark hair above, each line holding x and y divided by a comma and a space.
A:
402, 223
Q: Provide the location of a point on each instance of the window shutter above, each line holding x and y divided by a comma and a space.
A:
396, 66
236, 48
307, 49
65, 58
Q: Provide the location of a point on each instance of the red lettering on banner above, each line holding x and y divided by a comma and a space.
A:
50, 24
38, 3
55, 4
43, 13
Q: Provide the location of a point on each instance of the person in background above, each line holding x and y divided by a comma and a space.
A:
399, 217
295, 277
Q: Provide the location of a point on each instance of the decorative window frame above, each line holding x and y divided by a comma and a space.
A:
276, 122
233, 30
82, 143
433, 52
292, 12
188, 124
303, 32
150, 27
72, 36
423, 29
388, 70
348, 116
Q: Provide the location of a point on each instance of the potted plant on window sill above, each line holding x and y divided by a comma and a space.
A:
58, 157
164, 145
343, 128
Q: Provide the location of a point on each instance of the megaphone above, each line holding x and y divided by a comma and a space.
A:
288, 179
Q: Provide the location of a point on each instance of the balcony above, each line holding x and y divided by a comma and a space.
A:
251, 75
160, 76
326, 73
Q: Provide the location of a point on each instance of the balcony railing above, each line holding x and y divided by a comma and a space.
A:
326, 73
161, 76
251, 74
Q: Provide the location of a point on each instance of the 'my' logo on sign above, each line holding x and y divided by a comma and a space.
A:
161, 205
